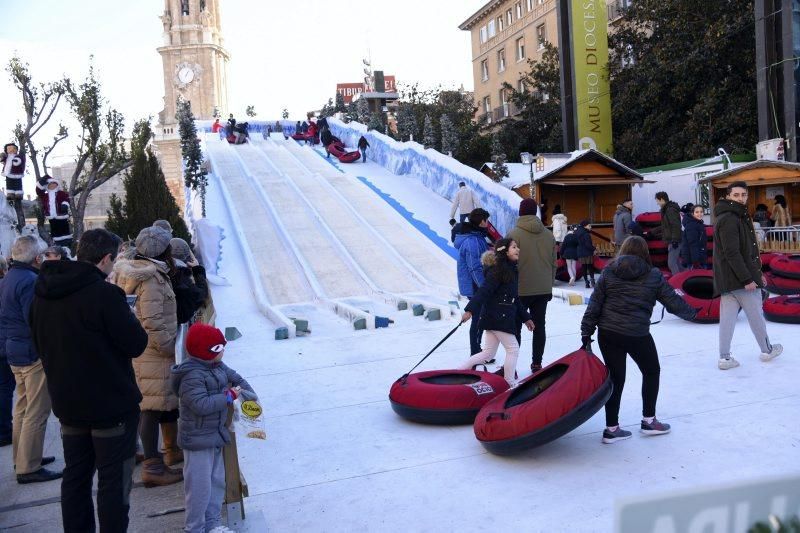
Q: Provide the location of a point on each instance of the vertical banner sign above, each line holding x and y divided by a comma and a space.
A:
592, 94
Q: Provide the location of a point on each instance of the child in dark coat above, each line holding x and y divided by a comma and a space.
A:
501, 309
206, 387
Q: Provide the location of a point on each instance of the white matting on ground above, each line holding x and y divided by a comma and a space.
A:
337, 458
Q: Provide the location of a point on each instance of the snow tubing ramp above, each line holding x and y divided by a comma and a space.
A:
784, 309
545, 406
444, 397
786, 266
696, 287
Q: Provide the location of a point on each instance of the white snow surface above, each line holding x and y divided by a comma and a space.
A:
337, 458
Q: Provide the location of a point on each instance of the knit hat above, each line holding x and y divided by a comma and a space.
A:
528, 206
163, 224
204, 342
152, 241
180, 249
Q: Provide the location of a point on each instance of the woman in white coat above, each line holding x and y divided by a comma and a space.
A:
560, 227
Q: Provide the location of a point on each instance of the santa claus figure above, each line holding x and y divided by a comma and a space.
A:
13, 166
55, 206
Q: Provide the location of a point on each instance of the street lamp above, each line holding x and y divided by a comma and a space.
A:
527, 159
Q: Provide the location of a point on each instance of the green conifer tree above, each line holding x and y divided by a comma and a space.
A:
147, 197
194, 174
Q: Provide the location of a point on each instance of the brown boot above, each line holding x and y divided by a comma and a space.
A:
169, 434
156, 474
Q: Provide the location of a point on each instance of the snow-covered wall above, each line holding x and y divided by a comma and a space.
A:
438, 172
257, 126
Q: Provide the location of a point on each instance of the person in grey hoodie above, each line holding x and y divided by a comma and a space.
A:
206, 387
622, 221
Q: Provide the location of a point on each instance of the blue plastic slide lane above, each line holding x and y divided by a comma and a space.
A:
405, 213
408, 215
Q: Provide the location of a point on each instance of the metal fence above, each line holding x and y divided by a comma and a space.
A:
780, 239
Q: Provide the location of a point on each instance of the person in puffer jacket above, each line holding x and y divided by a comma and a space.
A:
694, 239
206, 387
620, 309
501, 310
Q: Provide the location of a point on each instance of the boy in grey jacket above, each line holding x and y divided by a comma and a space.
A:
205, 387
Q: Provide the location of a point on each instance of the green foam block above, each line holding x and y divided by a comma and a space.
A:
417, 309
281, 334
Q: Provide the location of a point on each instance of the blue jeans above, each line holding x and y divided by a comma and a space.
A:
7, 386
363, 155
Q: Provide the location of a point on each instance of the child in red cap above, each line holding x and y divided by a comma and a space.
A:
205, 387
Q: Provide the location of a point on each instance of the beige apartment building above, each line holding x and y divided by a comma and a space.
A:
505, 35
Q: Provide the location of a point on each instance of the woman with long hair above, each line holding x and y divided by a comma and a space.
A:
620, 309
146, 275
501, 309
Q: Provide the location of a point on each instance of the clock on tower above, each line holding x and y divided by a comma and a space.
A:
195, 67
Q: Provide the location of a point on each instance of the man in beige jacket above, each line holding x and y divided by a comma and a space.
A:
465, 201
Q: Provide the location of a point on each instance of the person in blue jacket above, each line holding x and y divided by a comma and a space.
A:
471, 244
694, 240
33, 400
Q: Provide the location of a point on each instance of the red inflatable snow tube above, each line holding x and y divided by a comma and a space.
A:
340, 152
446, 397
780, 285
785, 309
786, 266
696, 287
562, 274
545, 406
657, 247
766, 260
647, 220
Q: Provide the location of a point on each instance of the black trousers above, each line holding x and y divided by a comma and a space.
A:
475, 331
642, 350
60, 232
109, 451
537, 307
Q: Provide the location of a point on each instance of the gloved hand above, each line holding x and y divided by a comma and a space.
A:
248, 395
230, 396
586, 342
675, 245
452, 222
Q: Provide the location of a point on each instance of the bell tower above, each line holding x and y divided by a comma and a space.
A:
195, 67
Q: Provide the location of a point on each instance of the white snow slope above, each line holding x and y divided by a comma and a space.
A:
337, 458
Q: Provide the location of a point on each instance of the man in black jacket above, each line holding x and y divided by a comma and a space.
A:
86, 335
671, 230
737, 274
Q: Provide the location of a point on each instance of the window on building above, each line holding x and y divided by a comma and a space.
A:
487, 109
485, 69
509, 17
519, 10
541, 35
185, 7
499, 24
520, 48
530, 5
503, 103
521, 86
484, 36
501, 60
491, 29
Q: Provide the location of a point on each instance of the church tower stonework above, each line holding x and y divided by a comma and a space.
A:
195, 67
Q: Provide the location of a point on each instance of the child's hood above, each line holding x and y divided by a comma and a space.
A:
190, 364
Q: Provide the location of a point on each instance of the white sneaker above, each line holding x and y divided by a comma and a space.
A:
571, 282
222, 529
777, 349
727, 364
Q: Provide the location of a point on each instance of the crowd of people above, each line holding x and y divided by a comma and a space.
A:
95, 340
509, 282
